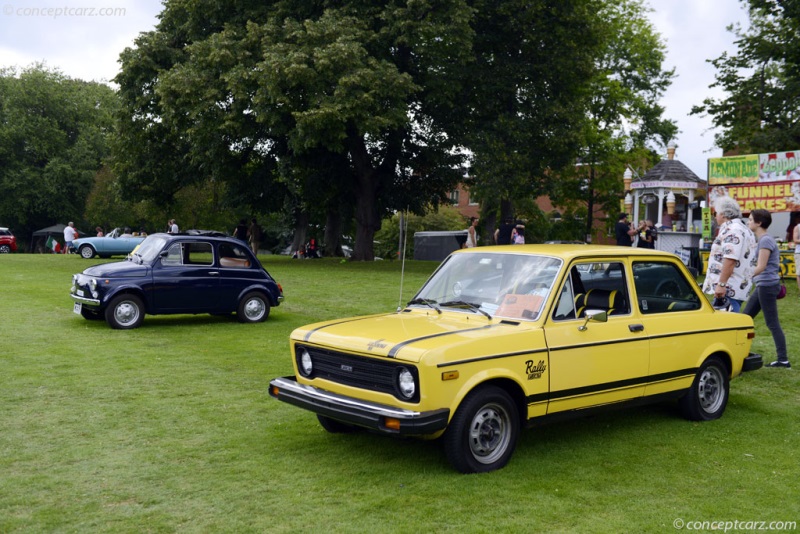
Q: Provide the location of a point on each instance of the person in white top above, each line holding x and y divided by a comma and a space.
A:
472, 237
69, 236
172, 227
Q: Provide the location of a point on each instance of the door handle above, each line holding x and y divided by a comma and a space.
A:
636, 327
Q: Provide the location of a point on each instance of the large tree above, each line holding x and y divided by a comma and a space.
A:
228, 90
54, 135
760, 109
624, 121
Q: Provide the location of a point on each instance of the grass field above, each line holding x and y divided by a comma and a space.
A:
169, 428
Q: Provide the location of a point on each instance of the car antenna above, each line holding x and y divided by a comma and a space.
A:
401, 245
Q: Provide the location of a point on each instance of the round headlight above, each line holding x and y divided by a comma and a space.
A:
93, 284
405, 383
306, 365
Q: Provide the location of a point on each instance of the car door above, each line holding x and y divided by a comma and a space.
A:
593, 362
671, 306
237, 273
186, 279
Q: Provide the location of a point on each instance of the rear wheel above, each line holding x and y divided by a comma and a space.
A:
483, 433
708, 395
253, 308
125, 312
5, 249
87, 252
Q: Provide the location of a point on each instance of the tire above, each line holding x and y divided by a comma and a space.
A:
90, 314
253, 308
5, 249
483, 432
708, 395
336, 427
87, 252
125, 312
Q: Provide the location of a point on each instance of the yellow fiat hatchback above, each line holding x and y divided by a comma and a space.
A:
503, 337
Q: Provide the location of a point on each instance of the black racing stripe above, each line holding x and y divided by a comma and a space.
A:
642, 338
492, 357
344, 321
396, 348
608, 386
695, 332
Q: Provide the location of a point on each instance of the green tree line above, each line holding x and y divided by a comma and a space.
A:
330, 118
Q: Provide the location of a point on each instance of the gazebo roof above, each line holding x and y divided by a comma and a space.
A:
671, 170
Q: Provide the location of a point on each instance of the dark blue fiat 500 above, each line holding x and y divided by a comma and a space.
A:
192, 273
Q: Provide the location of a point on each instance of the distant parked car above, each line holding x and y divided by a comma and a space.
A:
115, 243
8, 243
195, 272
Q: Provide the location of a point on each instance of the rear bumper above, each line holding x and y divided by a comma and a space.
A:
358, 412
752, 362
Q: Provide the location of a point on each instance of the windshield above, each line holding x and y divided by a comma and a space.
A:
513, 286
149, 249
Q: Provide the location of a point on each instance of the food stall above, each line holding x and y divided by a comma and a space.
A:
670, 196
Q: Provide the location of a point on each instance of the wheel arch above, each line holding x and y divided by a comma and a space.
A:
507, 384
261, 291
128, 290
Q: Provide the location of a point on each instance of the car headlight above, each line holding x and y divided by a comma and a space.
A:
93, 284
304, 363
405, 383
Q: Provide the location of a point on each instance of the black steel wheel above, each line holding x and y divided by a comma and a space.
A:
708, 396
253, 308
125, 312
483, 433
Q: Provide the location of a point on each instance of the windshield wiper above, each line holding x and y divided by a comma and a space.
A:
465, 304
427, 302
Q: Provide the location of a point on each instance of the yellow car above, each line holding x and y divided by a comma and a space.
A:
502, 337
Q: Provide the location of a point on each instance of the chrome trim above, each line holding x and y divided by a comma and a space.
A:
84, 300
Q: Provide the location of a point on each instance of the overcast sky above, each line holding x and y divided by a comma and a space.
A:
84, 39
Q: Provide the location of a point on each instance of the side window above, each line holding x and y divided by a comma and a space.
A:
189, 254
231, 255
593, 285
663, 288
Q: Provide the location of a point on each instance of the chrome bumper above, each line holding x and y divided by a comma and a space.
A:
358, 412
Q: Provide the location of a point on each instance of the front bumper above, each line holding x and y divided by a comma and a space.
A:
752, 362
358, 412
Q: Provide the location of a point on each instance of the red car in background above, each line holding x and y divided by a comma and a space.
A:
8, 243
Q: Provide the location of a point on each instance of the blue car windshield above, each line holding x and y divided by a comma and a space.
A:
506, 285
150, 248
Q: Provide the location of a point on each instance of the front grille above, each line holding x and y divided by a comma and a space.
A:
356, 371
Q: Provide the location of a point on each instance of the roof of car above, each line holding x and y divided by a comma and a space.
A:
569, 251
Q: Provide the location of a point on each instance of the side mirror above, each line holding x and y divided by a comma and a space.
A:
596, 316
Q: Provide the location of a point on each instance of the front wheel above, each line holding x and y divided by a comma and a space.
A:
125, 312
87, 252
483, 432
253, 308
5, 249
708, 395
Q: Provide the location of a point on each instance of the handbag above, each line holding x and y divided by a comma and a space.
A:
781, 291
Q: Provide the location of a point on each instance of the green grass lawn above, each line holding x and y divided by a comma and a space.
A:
169, 427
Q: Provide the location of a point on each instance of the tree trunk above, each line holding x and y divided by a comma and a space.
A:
333, 234
300, 228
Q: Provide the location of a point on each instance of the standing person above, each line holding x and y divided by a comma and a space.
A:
518, 235
69, 236
646, 235
172, 227
767, 277
502, 236
254, 235
796, 239
472, 236
624, 231
99, 231
240, 232
732, 257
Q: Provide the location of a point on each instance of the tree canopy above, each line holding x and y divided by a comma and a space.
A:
760, 108
54, 134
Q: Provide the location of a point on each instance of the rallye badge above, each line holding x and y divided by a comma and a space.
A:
535, 371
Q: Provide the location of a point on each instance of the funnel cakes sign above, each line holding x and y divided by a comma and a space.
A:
766, 181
